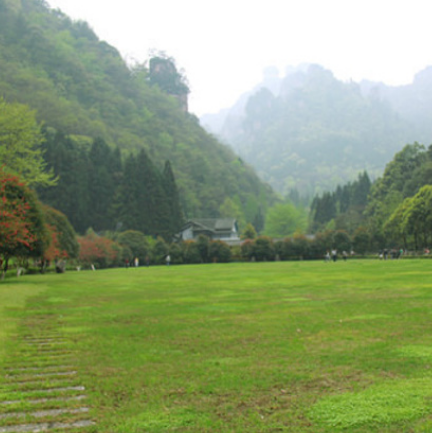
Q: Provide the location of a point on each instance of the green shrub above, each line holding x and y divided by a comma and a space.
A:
219, 252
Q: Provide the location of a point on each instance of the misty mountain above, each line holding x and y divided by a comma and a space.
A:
226, 121
310, 131
413, 101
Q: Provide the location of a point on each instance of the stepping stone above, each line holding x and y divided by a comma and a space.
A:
35, 428
46, 354
44, 400
52, 367
44, 338
54, 373
39, 367
31, 385
44, 413
46, 343
38, 377
62, 389
37, 356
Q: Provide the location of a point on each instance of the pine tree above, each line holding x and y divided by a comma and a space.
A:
141, 201
259, 221
71, 194
361, 189
324, 209
176, 215
128, 215
102, 185
152, 199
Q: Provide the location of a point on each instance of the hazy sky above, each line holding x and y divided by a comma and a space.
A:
224, 45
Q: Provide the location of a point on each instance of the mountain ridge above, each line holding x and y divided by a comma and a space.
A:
323, 110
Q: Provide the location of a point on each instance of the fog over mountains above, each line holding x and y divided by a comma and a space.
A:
310, 131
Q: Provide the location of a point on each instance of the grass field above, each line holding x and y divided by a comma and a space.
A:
257, 347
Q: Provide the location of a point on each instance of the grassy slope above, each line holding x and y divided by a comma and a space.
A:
300, 347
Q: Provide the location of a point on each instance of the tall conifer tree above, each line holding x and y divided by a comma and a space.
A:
128, 215
71, 194
176, 215
102, 185
152, 199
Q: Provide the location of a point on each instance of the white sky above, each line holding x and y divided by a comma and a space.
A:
224, 45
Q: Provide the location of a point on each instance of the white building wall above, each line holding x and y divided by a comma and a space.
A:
187, 234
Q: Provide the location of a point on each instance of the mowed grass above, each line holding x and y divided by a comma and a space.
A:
257, 347
13, 298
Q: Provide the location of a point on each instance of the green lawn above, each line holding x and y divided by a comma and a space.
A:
257, 347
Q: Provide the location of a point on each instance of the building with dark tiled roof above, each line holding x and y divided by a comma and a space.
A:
223, 229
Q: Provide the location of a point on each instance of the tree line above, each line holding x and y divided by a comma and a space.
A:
88, 184
98, 189
30, 230
113, 198
394, 211
343, 207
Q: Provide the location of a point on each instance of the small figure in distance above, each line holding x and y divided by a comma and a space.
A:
334, 255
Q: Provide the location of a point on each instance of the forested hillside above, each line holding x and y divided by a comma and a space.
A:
82, 88
311, 132
393, 212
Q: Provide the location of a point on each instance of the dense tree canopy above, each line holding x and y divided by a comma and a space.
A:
403, 176
20, 145
65, 244
23, 232
136, 242
344, 206
393, 212
412, 218
97, 189
284, 219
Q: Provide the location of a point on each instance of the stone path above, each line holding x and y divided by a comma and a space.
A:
40, 389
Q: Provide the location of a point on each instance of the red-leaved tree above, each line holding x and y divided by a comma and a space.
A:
54, 251
99, 251
22, 228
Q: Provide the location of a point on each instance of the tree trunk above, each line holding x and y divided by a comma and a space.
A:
5, 268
